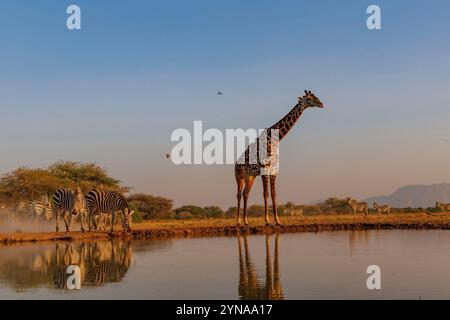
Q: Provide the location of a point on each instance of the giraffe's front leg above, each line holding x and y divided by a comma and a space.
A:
273, 193
240, 185
265, 182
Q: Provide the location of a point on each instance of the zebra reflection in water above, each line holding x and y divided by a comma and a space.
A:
100, 262
250, 286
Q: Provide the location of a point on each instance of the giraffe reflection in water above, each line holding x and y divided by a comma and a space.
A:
250, 286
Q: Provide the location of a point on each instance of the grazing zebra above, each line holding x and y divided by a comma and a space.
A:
362, 207
103, 220
39, 210
444, 207
69, 204
101, 202
382, 209
293, 211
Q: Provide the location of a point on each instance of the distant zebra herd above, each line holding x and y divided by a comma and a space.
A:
363, 207
444, 207
95, 210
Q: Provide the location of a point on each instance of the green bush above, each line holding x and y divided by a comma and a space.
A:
214, 212
195, 211
151, 207
184, 215
137, 217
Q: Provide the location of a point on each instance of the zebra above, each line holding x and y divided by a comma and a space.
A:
103, 219
444, 207
69, 204
293, 211
20, 209
362, 207
39, 209
382, 209
102, 202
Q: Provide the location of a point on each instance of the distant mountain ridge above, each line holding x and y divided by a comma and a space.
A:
415, 196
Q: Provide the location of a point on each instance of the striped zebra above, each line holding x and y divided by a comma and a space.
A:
362, 207
40, 210
101, 202
382, 209
444, 207
69, 204
103, 220
293, 211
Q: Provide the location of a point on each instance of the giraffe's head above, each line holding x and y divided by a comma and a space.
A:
310, 100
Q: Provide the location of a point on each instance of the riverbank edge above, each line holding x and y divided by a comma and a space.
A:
217, 231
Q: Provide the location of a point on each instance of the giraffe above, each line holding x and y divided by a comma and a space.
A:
246, 171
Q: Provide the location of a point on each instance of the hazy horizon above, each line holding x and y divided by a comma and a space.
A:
113, 92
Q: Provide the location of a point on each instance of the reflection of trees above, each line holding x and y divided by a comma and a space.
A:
100, 262
250, 286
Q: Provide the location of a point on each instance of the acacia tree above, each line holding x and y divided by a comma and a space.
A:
334, 205
29, 183
86, 176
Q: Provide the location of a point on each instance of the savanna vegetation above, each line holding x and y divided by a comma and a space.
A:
31, 184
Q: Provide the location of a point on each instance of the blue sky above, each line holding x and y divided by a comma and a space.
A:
114, 91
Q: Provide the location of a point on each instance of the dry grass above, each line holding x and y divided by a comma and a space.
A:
412, 218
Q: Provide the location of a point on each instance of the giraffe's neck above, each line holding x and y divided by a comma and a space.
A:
287, 122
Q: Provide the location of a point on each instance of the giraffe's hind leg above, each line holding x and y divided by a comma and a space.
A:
265, 182
273, 193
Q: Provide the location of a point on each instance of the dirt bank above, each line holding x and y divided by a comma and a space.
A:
226, 227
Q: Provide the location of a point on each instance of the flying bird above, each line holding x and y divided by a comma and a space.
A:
167, 155
219, 92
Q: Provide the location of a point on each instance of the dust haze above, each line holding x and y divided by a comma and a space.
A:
24, 224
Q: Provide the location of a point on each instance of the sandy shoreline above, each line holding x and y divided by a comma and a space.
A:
226, 227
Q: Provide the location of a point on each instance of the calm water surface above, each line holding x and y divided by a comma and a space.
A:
327, 265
